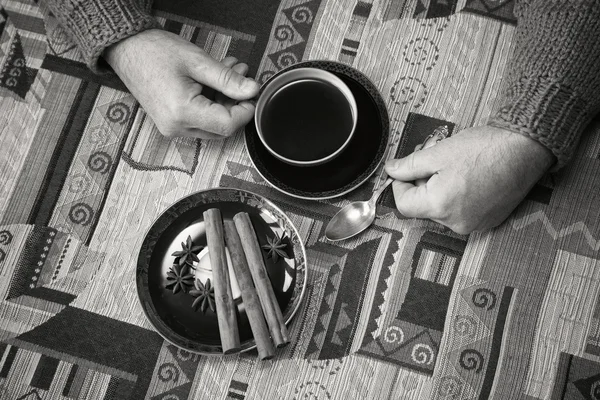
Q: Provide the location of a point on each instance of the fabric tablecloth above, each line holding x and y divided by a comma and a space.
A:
407, 310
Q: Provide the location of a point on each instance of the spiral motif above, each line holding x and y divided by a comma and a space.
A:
184, 355
99, 136
450, 387
79, 183
302, 15
81, 214
168, 372
328, 364
595, 391
422, 354
283, 33
16, 72
471, 359
11, 82
311, 390
441, 23
19, 62
408, 90
118, 113
417, 51
5, 237
286, 60
100, 161
265, 76
393, 334
465, 325
484, 298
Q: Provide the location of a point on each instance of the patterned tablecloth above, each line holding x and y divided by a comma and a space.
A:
407, 310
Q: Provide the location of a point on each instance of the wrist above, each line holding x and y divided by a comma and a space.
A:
532, 151
116, 53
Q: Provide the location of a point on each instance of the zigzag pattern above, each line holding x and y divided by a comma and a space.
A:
560, 233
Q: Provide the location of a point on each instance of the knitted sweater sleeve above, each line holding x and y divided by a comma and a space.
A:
552, 89
96, 24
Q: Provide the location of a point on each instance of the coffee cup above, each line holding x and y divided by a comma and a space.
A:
306, 116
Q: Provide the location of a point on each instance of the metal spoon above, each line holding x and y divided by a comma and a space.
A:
355, 217
359, 215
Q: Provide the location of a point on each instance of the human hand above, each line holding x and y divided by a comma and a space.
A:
470, 181
166, 74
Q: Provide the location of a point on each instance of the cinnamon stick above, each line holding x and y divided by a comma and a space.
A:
261, 280
226, 310
260, 331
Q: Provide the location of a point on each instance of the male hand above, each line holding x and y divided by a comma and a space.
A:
166, 74
470, 181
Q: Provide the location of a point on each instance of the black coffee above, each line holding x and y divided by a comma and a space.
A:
306, 120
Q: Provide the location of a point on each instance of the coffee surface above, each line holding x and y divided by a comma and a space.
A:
306, 120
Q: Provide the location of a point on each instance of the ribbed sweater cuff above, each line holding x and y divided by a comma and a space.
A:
546, 111
96, 24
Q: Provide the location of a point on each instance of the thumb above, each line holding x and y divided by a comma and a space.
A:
417, 165
222, 78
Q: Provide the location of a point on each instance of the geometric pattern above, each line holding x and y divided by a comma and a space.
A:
430, 9
290, 35
174, 373
407, 309
14, 74
94, 164
148, 150
577, 378
412, 339
51, 269
481, 324
116, 359
500, 10
356, 27
22, 46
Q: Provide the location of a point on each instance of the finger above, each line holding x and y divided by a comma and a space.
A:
421, 182
412, 201
201, 134
417, 165
432, 141
220, 98
229, 61
223, 78
213, 117
241, 68
211, 93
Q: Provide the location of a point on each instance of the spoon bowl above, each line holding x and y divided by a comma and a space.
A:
354, 218
350, 220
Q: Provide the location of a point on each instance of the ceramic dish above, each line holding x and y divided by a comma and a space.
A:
172, 314
352, 167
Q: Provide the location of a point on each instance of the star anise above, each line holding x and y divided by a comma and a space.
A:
205, 296
188, 253
179, 278
275, 248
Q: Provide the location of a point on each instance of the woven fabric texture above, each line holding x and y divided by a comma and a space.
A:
406, 310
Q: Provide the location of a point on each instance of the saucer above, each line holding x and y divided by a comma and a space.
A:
352, 167
172, 314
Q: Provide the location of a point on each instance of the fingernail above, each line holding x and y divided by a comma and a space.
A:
391, 164
250, 85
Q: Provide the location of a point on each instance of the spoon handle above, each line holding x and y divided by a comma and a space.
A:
377, 193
